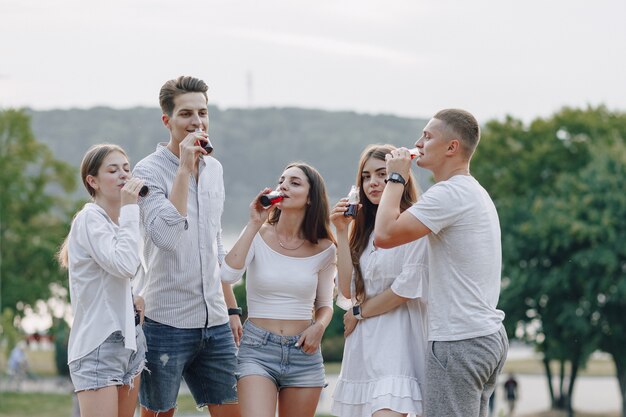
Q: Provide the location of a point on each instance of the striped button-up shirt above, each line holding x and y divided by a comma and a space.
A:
180, 281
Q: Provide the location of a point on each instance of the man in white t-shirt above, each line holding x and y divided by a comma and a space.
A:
467, 342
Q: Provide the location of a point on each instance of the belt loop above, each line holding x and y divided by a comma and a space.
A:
265, 337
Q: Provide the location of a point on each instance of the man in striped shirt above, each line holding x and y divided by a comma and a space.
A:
189, 332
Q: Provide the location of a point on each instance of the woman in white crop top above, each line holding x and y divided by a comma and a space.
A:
290, 257
383, 359
106, 351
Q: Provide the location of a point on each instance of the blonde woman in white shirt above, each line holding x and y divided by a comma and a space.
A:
385, 326
106, 351
290, 256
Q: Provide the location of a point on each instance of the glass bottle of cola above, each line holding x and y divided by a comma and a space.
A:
353, 202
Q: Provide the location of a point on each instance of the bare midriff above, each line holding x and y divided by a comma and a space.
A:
282, 327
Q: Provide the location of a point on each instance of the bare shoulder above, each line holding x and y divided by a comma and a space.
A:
324, 244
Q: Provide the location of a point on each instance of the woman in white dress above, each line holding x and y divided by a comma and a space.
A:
385, 325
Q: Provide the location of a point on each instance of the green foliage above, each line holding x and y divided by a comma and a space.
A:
558, 186
61, 332
32, 212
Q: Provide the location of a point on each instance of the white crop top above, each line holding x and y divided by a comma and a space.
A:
284, 287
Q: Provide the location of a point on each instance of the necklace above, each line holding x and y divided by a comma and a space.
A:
281, 243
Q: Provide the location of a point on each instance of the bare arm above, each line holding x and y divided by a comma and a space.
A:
344, 257
392, 228
382, 303
236, 257
234, 320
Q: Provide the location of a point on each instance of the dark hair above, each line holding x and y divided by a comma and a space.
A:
316, 223
92, 161
90, 165
181, 85
364, 222
463, 125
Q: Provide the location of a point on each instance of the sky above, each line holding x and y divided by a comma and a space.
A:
409, 58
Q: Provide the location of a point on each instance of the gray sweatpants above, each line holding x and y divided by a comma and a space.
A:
461, 375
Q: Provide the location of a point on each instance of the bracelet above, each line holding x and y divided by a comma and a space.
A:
235, 311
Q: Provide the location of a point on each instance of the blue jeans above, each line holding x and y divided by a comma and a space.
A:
206, 358
277, 358
109, 364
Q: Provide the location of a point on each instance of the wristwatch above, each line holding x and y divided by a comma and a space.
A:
395, 177
356, 312
237, 310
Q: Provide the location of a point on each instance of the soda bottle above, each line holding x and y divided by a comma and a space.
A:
353, 202
267, 200
205, 142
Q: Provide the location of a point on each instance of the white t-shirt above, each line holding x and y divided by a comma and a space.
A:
285, 287
465, 259
103, 257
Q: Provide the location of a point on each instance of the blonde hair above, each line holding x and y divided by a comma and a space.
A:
89, 166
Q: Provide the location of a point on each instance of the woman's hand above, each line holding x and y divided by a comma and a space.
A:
337, 218
349, 323
130, 191
258, 213
236, 327
140, 306
311, 338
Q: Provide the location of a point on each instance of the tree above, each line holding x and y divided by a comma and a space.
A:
557, 184
33, 218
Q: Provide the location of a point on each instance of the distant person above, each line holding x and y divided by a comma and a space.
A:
106, 350
17, 365
290, 255
383, 357
192, 321
467, 342
510, 392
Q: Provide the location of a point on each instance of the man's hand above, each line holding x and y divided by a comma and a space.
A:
399, 160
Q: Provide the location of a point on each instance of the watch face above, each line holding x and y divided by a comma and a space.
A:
356, 310
395, 177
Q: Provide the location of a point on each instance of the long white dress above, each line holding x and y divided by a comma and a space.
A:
383, 358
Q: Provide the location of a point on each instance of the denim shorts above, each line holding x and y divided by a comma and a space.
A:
205, 357
109, 364
277, 358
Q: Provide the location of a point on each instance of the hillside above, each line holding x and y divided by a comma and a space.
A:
253, 145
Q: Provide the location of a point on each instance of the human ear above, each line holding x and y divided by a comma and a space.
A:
92, 181
166, 120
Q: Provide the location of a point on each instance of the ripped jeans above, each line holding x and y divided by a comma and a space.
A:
109, 364
206, 358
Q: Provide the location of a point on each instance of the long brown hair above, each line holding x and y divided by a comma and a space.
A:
90, 165
316, 223
364, 223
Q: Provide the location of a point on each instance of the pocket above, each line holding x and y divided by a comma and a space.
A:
439, 352
252, 340
75, 365
317, 351
115, 337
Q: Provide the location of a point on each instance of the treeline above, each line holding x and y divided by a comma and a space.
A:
253, 145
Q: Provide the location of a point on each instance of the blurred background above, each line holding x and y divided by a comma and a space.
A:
317, 82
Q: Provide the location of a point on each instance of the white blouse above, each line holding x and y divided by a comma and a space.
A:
285, 287
103, 257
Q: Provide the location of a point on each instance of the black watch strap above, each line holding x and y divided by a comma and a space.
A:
395, 177
237, 310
